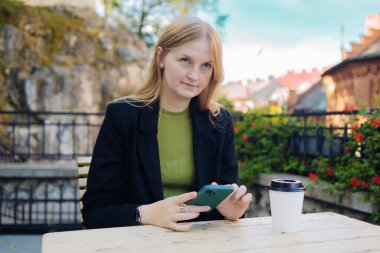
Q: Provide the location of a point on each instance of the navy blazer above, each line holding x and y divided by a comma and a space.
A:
125, 167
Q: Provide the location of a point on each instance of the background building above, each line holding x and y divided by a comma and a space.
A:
284, 91
355, 82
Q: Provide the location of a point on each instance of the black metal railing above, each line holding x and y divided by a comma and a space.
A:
47, 135
306, 135
35, 207
317, 134
43, 135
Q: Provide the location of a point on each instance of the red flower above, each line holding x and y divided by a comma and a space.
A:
349, 107
376, 122
313, 176
244, 137
236, 130
354, 126
363, 184
330, 171
243, 164
358, 137
346, 150
253, 124
353, 181
376, 179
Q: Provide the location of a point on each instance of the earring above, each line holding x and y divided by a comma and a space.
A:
161, 65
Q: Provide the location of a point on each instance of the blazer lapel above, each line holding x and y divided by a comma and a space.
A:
205, 138
147, 146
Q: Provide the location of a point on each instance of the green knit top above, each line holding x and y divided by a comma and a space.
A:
175, 145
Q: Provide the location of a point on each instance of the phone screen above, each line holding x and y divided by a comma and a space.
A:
211, 195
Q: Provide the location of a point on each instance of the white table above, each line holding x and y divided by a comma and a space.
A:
319, 232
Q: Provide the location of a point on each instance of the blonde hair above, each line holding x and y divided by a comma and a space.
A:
181, 31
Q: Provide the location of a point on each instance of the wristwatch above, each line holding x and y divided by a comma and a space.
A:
138, 215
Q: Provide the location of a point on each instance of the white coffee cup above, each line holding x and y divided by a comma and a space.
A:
286, 199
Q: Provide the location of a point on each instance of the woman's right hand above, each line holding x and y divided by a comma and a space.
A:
166, 213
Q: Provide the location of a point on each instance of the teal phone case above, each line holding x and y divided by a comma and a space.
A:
211, 195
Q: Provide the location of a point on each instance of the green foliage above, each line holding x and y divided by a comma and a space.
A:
263, 146
10, 11
54, 25
2, 66
147, 18
226, 103
57, 25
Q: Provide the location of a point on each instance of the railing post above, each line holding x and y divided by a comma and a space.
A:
46, 202
1, 203
60, 202
13, 151
88, 136
15, 206
345, 138
43, 138
319, 139
28, 135
305, 137
76, 203
31, 193
331, 144
59, 139
73, 124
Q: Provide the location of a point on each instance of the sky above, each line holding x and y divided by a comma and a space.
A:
270, 37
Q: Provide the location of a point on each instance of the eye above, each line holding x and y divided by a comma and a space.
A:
184, 60
206, 66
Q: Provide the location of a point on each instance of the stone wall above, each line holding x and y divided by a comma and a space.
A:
92, 64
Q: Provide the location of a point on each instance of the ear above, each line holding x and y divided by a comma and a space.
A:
159, 51
160, 56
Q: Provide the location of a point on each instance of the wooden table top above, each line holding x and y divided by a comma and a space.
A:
319, 232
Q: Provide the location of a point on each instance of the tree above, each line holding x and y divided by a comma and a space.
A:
147, 18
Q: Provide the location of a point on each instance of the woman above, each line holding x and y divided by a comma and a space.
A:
155, 149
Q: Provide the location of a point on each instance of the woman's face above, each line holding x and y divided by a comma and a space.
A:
187, 70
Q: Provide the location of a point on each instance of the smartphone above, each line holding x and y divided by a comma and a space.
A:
211, 195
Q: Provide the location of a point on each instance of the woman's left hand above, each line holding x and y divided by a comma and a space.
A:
234, 206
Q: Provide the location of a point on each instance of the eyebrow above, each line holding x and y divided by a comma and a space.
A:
185, 55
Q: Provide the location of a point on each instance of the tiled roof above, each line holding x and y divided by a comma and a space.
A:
266, 92
312, 99
370, 53
294, 80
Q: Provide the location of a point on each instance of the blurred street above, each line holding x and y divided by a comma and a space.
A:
20, 243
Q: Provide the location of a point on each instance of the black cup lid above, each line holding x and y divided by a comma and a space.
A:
286, 185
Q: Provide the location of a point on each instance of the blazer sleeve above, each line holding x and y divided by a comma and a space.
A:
104, 202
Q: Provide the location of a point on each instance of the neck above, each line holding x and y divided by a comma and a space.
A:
174, 106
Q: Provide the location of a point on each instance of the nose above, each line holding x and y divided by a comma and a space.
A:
193, 74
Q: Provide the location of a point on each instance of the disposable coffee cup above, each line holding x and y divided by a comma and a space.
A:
286, 200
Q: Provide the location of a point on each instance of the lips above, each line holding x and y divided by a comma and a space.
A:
190, 85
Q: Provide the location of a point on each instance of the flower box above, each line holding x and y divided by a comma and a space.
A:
352, 200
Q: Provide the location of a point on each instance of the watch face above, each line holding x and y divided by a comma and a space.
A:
138, 215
